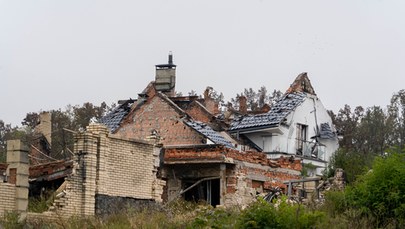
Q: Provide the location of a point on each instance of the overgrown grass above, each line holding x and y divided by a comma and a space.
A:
181, 214
11, 220
334, 213
39, 204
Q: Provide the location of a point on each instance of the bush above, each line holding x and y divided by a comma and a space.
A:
209, 217
380, 193
264, 215
335, 203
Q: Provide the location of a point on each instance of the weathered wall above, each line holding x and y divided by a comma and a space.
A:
198, 112
157, 114
110, 168
14, 194
128, 168
239, 172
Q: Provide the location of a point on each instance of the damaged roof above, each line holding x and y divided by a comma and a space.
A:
209, 133
326, 131
274, 117
113, 119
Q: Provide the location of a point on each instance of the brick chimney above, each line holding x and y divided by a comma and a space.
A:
242, 104
165, 80
210, 104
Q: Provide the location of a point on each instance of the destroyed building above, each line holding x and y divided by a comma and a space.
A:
201, 160
160, 147
297, 125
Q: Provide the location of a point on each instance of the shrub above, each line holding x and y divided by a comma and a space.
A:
209, 217
264, 215
380, 193
335, 203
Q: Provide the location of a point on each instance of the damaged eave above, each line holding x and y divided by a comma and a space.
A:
50, 171
270, 129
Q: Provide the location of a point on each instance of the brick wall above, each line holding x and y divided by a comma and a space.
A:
110, 166
128, 169
243, 171
157, 114
198, 112
7, 198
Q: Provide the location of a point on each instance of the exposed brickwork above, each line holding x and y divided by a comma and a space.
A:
7, 197
301, 84
157, 114
198, 112
224, 154
211, 106
109, 165
244, 171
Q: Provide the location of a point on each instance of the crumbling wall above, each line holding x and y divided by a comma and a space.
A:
110, 169
158, 115
198, 112
245, 180
14, 187
243, 174
128, 168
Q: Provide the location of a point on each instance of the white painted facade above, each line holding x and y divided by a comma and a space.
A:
282, 140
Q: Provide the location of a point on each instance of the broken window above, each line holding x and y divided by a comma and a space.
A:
207, 191
302, 133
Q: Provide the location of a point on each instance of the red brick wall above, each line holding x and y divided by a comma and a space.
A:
220, 152
198, 113
211, 106
275, 175
156, 114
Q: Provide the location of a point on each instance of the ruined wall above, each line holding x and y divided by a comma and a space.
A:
110, 169
199, 113
246, 173
128, 168
14, 194
245, 180
156, 114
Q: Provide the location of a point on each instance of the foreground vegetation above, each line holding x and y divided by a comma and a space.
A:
375, 200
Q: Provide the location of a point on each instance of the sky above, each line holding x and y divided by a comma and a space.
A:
54, 52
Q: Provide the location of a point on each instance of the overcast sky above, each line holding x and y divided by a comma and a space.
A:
54, 53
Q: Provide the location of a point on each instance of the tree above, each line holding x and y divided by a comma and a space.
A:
7, 132
380, 193
352, 162
31, 120
82, 115
255, 101
373, 131
215, 95
397, 115
346, 123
